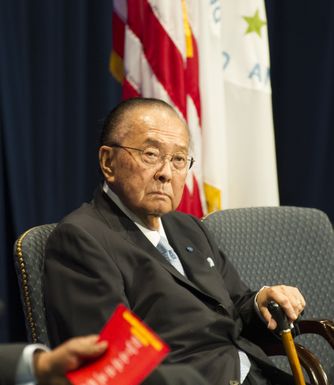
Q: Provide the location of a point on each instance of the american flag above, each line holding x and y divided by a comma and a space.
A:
173, 50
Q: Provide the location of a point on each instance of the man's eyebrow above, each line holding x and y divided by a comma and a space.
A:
156, 143
153, 142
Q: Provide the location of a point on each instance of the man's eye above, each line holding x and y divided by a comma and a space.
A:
179, 158
151, 153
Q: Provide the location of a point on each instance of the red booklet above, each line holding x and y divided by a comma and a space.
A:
134, 350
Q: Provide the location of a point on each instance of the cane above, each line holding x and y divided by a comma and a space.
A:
284, 330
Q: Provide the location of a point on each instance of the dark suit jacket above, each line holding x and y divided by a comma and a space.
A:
175, 375
9, 357
97, 258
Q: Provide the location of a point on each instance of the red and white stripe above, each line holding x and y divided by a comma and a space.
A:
156, 65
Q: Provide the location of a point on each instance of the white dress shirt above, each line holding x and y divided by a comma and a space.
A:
25, 367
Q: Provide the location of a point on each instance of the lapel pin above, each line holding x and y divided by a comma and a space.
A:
210, 262
190, 249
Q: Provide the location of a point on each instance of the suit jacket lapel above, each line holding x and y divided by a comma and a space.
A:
199, 277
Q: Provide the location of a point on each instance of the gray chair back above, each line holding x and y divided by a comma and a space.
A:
29, 264
290, 245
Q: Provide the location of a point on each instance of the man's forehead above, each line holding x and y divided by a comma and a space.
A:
149, 112
149, 119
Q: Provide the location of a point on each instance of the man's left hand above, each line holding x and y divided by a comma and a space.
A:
289, 298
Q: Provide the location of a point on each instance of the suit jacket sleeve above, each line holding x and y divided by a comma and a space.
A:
82, 284
9, 357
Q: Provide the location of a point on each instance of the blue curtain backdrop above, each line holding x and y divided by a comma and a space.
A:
55, 88
301, 36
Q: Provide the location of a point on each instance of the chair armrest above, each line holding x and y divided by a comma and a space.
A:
309, 362
324, 328
312, 366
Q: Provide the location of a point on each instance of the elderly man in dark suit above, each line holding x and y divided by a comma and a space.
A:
129, 245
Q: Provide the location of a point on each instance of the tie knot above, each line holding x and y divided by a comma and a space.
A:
167, 251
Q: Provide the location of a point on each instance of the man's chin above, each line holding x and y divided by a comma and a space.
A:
158, 213
160, 210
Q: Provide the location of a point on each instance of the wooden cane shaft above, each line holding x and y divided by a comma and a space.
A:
291, 352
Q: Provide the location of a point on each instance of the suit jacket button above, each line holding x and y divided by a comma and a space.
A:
220, 309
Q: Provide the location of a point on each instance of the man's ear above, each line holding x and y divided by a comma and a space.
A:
106, 157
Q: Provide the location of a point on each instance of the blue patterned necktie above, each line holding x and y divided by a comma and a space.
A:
167, 251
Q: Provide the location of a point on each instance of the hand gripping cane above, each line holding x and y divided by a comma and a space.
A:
284, 330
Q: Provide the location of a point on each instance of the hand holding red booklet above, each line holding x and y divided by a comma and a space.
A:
134, 350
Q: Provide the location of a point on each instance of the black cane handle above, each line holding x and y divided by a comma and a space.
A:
279, 316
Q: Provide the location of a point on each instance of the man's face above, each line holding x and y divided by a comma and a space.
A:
149, 191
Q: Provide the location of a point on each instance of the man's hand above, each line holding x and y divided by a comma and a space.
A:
289, 298
50, 367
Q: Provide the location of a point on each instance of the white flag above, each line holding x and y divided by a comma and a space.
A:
251, 159
205, 20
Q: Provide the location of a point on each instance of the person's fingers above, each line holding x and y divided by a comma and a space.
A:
87, 346
51, 367
289, 298
71, 354
271, 323
281, 297
292, 302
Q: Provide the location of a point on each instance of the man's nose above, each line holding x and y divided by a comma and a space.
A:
164, 172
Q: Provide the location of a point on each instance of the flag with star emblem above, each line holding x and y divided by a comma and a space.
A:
251, 159
204, 58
